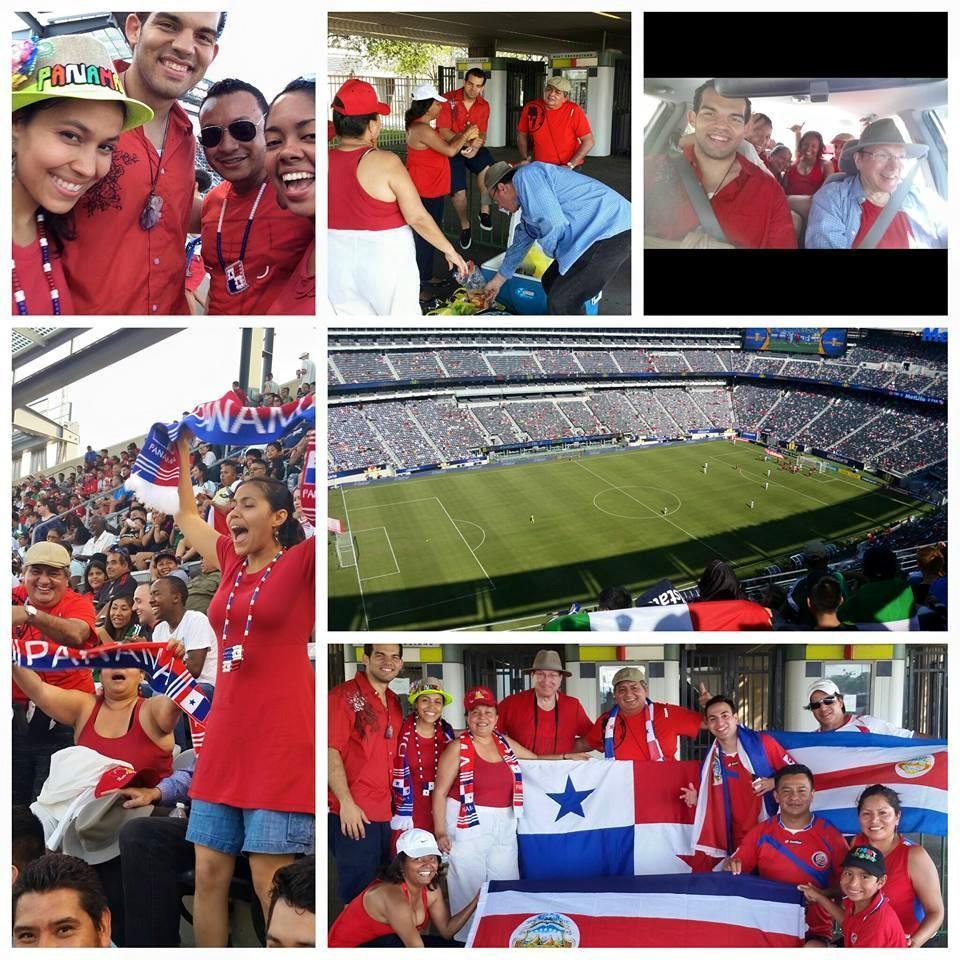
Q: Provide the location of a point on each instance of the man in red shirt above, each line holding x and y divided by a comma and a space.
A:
364, 718
795, 846
559, 128
251, 245
750, 206
639, 729
542, 719
131, 228
45, 608
749, 761
463, 107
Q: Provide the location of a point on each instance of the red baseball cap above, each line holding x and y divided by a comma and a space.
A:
356, 98
478, 697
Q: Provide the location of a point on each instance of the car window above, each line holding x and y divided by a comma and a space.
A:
648, 108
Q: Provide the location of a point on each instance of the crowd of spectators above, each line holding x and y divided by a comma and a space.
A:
582, 417
496, 423
522, 365
401, 433
540, 420
683, 409
129, 574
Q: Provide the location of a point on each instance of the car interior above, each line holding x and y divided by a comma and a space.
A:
829, 105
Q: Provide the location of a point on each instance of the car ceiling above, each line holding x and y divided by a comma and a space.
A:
882, 102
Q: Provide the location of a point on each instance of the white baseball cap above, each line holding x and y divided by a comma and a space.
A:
426, 91
417, 843
827, 686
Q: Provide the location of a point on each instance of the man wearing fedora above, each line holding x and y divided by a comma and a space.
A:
542, 718
877, 171
45, 608
581, 223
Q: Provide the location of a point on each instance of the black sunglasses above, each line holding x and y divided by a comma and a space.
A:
242, 130
817, 704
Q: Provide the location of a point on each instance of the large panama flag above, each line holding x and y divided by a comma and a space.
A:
599, 818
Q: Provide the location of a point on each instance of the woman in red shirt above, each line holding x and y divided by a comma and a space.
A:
477, 798
253, 790
290, 133
428, 161
806, 176
423, 735
913, 885
63, 142
395, 909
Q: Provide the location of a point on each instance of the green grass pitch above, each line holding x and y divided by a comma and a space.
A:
458, 549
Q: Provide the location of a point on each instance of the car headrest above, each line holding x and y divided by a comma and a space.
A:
847, 163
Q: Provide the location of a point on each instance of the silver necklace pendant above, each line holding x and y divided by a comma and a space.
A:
150, 214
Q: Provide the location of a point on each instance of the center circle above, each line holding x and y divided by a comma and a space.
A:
637, 505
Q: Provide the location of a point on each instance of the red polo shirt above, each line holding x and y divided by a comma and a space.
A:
670, 722
875, 926
358, 724
116, 267
72, 606
556, 134
275, 244
455, 115
543, 731
752, 209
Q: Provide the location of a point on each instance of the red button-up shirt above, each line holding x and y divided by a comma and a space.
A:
358, 724
116, 267
455, 116
752, 209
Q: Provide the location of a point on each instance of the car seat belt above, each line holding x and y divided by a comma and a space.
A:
701, 205
879, 228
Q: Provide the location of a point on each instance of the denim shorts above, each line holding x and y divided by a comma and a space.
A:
233, 830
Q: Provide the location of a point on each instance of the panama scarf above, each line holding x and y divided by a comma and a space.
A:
154, 477
166, 674
468, 755
402, 776
653, 744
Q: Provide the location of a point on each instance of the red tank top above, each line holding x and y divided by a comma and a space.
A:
429, 171
492, 784
349, 206
355, 926
134, 747
899, 888
798, 184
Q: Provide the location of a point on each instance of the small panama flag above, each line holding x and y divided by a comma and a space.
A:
334, 525
192, 702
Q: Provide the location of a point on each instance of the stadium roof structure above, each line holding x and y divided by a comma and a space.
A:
531, 32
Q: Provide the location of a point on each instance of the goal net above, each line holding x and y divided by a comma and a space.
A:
346, 550
570, 455
811, 463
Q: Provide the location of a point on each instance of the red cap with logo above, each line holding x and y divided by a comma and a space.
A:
478, 697
357, 98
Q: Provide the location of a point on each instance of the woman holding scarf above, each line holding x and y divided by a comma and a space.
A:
422, 738
253, 790
478, 798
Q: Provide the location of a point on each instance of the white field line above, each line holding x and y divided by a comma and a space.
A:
686, 533
464, 539
396, 565
363, 601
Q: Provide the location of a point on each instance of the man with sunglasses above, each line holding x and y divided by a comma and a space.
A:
872, 168
826, 705
251, 245
131, 228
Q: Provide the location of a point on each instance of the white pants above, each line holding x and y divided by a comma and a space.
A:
373, 272
487, 851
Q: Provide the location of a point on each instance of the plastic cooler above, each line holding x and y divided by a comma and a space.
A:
525, 295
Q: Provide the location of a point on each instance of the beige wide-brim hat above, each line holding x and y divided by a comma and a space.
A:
76, 67
548, 660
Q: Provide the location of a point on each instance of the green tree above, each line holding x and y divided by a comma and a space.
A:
408, 58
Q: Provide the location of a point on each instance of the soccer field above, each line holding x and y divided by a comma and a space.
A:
513, 543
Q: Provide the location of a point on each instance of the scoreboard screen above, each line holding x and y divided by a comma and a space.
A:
818, 341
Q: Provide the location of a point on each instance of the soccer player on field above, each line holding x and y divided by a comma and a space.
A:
795, 847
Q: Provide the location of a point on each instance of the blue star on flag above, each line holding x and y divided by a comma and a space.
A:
571, 800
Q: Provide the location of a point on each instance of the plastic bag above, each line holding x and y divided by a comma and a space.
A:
474, 285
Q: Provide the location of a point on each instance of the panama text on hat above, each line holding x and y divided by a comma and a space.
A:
77, 67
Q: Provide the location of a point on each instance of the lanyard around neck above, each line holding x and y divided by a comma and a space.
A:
246, 230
